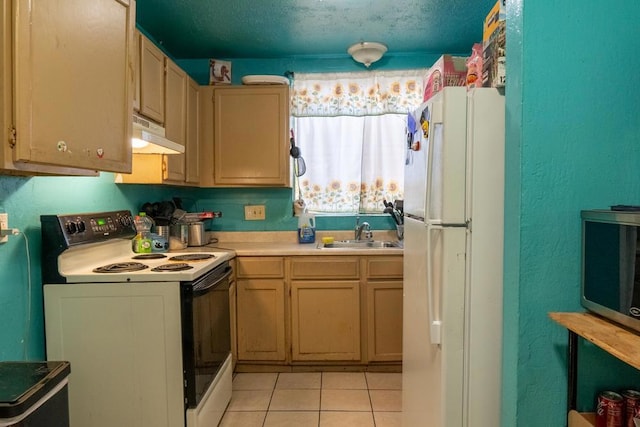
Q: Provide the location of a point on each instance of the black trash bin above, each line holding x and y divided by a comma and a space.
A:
34, 394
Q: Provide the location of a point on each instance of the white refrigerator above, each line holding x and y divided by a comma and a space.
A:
453, 252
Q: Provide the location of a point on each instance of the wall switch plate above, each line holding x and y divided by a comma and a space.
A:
4, 225
254, 213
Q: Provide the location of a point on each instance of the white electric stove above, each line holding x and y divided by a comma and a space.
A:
114, 261
147, 335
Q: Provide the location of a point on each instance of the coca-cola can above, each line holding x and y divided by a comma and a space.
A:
631, 405
610, 409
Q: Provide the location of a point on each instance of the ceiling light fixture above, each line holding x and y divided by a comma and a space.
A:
367, 52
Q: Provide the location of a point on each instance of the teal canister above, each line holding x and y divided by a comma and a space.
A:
306, 228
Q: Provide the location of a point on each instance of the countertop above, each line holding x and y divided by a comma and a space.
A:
285, 243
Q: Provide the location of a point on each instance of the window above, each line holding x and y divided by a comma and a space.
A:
351, 131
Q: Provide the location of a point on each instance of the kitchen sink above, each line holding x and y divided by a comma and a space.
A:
361, 244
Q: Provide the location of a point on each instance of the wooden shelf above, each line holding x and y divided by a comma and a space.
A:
612, 338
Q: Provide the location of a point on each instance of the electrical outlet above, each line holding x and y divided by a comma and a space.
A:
254, 212
4, 225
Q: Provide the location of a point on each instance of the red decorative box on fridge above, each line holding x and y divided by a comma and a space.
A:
447, 71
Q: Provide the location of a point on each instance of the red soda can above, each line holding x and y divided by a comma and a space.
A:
609, 412
631, 405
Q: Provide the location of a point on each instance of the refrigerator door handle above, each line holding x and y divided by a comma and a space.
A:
436, 112
435, 323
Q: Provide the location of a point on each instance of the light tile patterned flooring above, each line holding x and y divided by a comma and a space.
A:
315, 399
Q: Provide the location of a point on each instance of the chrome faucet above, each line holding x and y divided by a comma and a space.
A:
368, 234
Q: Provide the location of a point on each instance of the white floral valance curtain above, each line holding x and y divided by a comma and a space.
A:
351, 129
356, 94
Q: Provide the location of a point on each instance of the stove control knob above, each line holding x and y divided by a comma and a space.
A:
125, 221
72, 228
81, 226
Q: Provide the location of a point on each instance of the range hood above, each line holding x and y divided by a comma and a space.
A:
149, 138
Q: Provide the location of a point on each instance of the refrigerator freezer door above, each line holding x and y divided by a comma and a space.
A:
415, 171
446, 176
433, 375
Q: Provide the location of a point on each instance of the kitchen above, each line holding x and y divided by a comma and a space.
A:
556, 166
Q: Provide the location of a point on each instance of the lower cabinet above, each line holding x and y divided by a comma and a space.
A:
325, 308
312, 310
383, 294
384, 321
260, 309
325, 320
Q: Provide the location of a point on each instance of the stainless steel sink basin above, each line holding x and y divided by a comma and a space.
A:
361, 244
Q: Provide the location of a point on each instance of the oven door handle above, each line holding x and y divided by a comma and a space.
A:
205, 288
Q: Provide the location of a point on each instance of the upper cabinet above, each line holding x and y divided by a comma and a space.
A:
248, 144
175, 115
136, 70
152, 85
170, 98
66, 86
192, 137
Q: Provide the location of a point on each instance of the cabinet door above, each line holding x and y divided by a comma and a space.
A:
175, 118
325, 323
261, 319
151, 81
136, 70
205, 135
251, 136
192, 145
73, 98
384, 321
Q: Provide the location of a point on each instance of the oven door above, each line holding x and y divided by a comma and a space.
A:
206, 331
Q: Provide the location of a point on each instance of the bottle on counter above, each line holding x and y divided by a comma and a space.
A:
142, 242
306, 228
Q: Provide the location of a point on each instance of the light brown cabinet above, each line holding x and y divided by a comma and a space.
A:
50, 129
384, 309
323, 309
325, 320
247, 140
152, 84
260, 305
136, 70
180, 118
175, 115
192, 136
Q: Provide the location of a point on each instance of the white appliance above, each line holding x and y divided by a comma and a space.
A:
147, 335
453, 251
149, 138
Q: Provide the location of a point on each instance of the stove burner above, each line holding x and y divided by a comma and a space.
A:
191, 257
120, 267
178, 266
149, 256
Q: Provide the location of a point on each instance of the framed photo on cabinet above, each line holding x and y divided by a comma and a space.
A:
219, 72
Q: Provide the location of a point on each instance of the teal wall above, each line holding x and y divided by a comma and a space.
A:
573, 142
25, 199
573, 127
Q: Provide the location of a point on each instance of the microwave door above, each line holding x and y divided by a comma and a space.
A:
629, 274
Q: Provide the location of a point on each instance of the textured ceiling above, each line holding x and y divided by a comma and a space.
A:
290, 28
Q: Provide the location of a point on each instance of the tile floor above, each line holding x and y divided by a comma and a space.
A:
318, 399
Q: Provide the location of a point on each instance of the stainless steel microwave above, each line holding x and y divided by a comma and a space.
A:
611, 265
